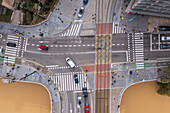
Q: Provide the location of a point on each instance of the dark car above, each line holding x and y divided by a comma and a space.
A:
81, 12
76, 79
85, 2
164, 46
85, 93
45, 48
11, 44
163, 28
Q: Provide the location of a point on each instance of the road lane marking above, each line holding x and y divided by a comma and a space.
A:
52, 66
89, 52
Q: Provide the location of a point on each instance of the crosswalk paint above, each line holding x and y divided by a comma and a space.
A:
8, 59
13, 50
73, 30
66, 82
139, 65
117, 28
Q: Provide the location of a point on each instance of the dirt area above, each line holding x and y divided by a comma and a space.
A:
154, 22
17, 17
143, 98
21, 97
7, 1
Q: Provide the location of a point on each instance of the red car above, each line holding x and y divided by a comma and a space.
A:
45, 48
86, 108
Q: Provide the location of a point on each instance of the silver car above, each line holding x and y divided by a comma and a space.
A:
70, 62
81, 12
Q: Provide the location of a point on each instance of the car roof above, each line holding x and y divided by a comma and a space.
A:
79, 97
81, 7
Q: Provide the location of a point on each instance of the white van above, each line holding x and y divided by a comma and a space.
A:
165, 38
70, 62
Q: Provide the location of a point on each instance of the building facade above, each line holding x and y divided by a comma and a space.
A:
150, 7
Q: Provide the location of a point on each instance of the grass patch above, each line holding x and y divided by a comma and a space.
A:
164, 89
7, 16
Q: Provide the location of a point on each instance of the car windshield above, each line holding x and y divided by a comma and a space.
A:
43, 47
81, 11
68, 59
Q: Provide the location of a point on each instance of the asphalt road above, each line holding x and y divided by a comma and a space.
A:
80, 50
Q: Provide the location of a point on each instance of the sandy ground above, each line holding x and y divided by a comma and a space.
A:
24, 98
7, 1
143, 98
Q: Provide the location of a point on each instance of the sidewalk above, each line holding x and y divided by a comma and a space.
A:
23, 68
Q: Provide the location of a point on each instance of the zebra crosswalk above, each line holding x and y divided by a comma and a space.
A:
13, 51
117, 28
8, 59
74, 29
139, 65
66, 82
138, 50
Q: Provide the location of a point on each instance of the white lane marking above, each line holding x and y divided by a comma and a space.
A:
91, 52
52, 66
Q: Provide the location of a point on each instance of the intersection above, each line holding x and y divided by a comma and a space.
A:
109, 51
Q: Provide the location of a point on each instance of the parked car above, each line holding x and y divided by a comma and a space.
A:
76, 79
70, 62
164, 46
85, 93
165, 38
0, 35
86, 108
42, 47
79, 101
163, 28
85, 2
81, 12
1, 49
11, 44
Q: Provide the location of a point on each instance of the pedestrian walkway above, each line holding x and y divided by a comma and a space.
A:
140, 65
138, 50
8, 59
117, 28
74, 29
13, 51
57, 67
66, 82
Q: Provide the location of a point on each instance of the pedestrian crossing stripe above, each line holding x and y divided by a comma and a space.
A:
117, 28
66, 82
13, 50
9, 59
73, 30
139, 65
